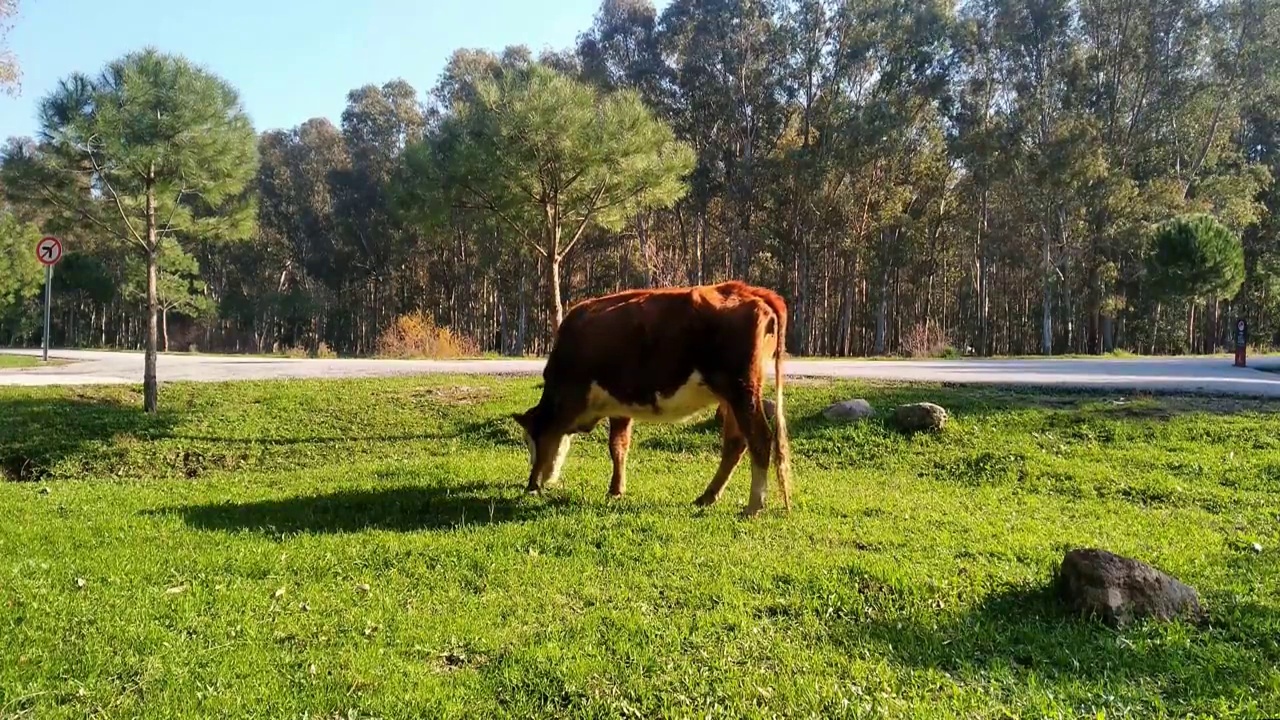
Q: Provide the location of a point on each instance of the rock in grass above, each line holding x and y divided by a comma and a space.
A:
1120, 590
919, 417
849, 410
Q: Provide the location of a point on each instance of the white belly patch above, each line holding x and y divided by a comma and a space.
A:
690, 398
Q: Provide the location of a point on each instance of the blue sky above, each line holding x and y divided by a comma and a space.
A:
291, 59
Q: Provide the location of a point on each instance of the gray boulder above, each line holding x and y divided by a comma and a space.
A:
919, 417
1120, 590
850, 410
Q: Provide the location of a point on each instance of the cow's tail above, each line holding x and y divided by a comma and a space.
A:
781, 444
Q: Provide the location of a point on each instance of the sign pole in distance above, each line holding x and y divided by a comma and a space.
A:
48, 252
1242, 342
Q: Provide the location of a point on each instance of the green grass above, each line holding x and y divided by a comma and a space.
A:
211, 561
10, 362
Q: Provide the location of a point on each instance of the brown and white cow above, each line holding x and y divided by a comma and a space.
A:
662, 356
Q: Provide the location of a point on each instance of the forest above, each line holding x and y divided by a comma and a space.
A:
987, 177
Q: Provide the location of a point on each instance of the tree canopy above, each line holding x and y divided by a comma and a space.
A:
915, 178
550, 157
1195, 258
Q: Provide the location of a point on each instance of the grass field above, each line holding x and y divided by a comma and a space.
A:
363, 549
8, 361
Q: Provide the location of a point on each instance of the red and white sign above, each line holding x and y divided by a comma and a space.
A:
49, 250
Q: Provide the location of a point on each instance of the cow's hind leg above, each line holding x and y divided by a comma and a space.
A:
619, 443
749, 411
732, 445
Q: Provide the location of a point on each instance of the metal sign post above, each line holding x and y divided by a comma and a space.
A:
1242, 341
48, 252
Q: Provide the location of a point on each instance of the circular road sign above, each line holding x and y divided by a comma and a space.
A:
49, 250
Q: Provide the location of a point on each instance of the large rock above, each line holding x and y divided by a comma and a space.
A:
852, 410
1120, 590
919, 417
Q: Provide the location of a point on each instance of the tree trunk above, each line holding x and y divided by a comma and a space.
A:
1046, 327
149, 390
556, 307
882, 313
164, 328
1093, 311
523, 314
1211, 333
981, 285
1191, 328
1155, 330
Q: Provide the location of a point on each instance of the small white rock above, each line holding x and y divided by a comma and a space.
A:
1257, 547
852, 410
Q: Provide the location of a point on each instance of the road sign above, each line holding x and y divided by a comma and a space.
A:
1242, 342
49, 250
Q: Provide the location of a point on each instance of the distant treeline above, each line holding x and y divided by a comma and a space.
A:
914, 177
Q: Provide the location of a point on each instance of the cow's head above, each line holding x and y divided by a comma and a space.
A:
528, 427
547, 450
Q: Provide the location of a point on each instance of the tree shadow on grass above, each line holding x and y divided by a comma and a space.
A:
1025, 633
37, 434
400, 509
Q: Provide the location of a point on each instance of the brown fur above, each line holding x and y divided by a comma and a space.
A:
631, 354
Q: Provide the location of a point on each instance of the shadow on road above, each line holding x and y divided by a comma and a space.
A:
399, 509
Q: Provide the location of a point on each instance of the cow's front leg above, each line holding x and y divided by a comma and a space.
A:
619, 443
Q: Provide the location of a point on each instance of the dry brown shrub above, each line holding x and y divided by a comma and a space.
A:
416, 335
926, 340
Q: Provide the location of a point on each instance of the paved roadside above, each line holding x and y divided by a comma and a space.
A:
1214, 375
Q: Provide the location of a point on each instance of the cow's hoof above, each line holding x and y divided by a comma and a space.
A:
533, 491
751, 511
705, 500
615, 495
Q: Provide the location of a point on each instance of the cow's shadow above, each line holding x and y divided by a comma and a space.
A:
400, 509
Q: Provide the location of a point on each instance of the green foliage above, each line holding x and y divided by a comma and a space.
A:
381, 559
549, 156
178, 284
1197, 258
149, 125
21, 276
555, 154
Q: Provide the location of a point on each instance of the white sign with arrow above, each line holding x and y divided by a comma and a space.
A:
48, 252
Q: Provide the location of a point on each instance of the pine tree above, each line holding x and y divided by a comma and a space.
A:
151, 147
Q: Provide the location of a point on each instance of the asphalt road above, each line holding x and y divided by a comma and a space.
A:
1215, 375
